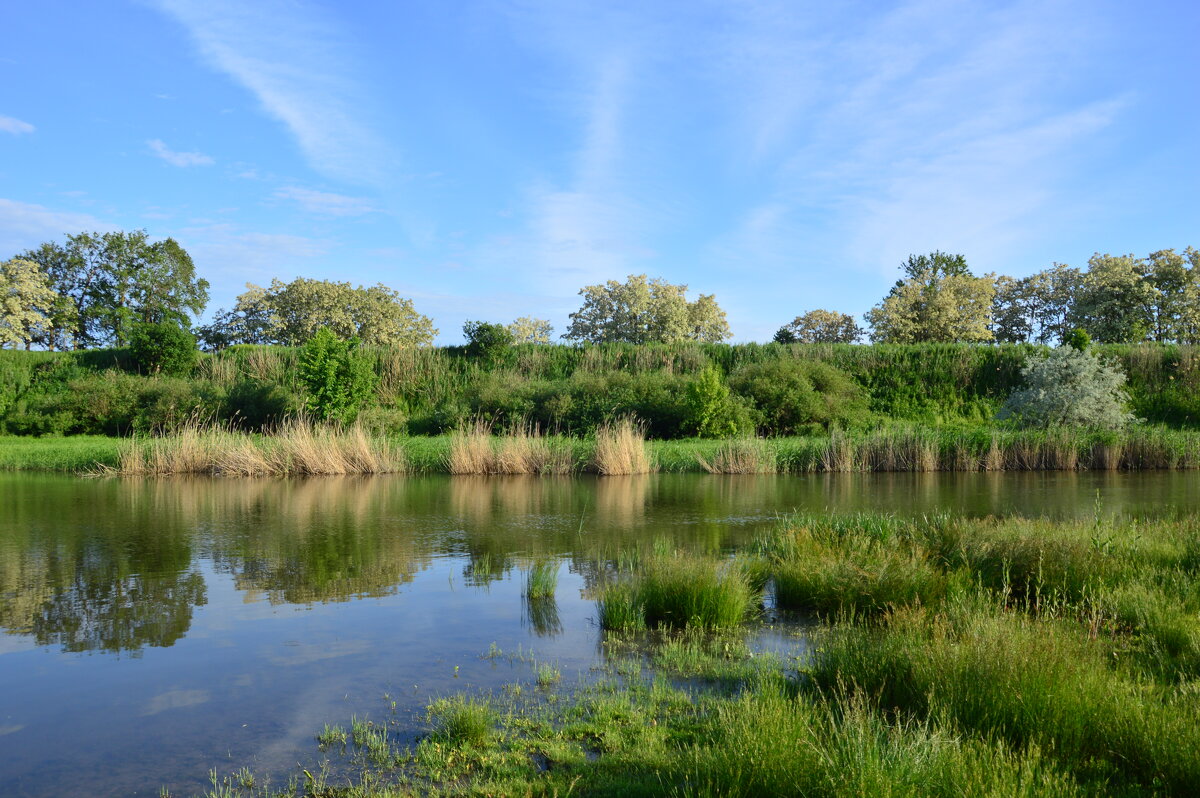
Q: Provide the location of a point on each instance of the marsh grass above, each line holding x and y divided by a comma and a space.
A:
459, 720
541, 581
620, 448
678, 591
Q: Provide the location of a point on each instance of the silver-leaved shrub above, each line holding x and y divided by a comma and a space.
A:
1070, 388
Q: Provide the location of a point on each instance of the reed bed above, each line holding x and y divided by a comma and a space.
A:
299, 447
620, 449
741, 456
474, 449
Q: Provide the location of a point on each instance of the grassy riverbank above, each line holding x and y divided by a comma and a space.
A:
298, 448
952, 657
574, 389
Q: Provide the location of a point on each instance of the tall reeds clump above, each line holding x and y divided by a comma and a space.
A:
471, 449
741, 456
621, 448
299, 447
679, 591
522, 450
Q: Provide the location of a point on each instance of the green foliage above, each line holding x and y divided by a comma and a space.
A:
789, 395
27, 302
1079, 340
710, 410
337, 377
643, 311
112, 280
487, 341
1070, 388
937, 300
162, 347
528, 330
820, 327
290, 313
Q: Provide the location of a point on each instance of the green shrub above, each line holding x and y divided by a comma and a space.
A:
792, 396
710, 410
255, 404
488, 341
162, 348
338, 378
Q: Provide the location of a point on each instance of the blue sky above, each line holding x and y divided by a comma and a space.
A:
488, 159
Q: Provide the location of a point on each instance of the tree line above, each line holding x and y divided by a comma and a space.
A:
94, 290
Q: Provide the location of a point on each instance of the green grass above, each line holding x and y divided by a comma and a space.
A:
956, 657
679, 591
80, 453
541, 581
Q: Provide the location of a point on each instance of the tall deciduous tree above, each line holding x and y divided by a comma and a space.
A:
938, 299
642, 310
528, 330
27, 302
820, 327
114, 279
1114, 303
290, 313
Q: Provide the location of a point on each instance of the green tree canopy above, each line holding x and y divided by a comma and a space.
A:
291, 313
642, 310
820, 327
27, 302
112, 280
528, 330
938, 299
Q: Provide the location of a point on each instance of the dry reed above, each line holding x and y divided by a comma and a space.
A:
524, 450
299, 447
621, 448
742, 456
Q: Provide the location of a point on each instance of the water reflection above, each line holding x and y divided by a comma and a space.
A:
119, 565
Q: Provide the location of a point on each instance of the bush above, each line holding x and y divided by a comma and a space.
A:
710, 410
791, 396
163, 348
338, 377
1070, 388
487, 341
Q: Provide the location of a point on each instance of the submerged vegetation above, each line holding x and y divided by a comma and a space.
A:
951, 657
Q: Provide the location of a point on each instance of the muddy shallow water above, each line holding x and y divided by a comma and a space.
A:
153, 629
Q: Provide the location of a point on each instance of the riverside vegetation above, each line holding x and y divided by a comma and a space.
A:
949, 656
704, 407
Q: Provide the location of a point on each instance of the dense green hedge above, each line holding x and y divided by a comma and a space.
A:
569, 388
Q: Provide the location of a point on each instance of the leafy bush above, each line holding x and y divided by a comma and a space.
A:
1070, 388
256, 404
487, 341
337, 376
791, 396
163, 348
711, 412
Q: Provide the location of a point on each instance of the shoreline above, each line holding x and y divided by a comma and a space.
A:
308, 450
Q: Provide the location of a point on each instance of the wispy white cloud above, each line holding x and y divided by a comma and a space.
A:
182, 159
288, 54
24, 225
929, 126
325, 203
15, 126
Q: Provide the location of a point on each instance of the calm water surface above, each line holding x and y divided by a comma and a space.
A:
151, 630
